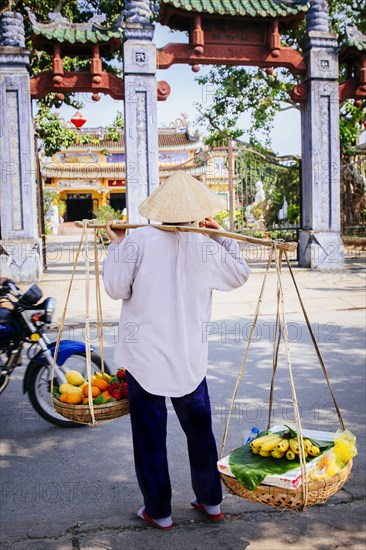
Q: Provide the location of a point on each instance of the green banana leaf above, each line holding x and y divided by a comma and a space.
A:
250, 469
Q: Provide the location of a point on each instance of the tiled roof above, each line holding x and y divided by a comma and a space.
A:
252, 8
65, 32
165, 139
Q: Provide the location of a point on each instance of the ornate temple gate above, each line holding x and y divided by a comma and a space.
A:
242, 33
247, 33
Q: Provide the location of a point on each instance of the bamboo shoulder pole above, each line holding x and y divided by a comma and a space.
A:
290, 247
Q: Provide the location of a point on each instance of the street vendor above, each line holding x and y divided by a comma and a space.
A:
166, 279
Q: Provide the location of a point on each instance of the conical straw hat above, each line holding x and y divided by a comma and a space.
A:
181, 198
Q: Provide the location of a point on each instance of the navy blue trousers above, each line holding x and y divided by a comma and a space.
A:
148, 414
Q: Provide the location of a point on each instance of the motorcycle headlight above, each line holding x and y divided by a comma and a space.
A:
49, 308
31, 296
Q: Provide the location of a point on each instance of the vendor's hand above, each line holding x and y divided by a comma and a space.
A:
115, 235
210, 223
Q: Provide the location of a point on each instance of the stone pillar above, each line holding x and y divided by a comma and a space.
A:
20, 252
320, 241
140, 107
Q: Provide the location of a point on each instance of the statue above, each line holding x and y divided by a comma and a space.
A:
259, 192
282, 214
259, 197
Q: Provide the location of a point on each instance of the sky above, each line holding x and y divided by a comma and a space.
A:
185, 92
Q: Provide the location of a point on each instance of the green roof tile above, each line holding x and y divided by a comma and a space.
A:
64, 31
253, 8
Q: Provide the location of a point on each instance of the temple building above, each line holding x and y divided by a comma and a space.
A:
89, 175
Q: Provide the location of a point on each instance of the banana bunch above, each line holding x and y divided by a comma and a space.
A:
278, 447
265, 444
294, 449
102, 376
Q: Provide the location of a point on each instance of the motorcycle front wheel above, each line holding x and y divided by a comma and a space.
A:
40, 387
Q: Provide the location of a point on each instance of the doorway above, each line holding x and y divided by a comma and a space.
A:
79, 206
117, 201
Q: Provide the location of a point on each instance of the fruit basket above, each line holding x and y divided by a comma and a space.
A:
83, 414
277, 480
101, 398
311, 489
317, 491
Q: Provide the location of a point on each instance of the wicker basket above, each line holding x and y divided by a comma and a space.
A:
318, 491
81, 413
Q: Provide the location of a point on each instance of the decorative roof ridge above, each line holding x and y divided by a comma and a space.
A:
253, 8
59, 22
102, 132
172, 130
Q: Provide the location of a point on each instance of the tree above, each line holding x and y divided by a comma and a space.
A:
279, 178
49, 126
239, 90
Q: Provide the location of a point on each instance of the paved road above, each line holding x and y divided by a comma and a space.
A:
70, 489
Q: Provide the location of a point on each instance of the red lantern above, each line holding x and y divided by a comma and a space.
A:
78, 120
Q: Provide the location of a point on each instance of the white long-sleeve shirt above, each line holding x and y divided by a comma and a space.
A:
165, 280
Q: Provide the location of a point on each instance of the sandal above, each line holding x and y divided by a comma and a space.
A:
143, 515
201, 508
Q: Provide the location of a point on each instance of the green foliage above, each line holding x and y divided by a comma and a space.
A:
238, 90
52, 130
293, 214
233, 91
114, 131
277, 234
351, 124
77, 11
280, 181
105, 213
55, 134
223, 218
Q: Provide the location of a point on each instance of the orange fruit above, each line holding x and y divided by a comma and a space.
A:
101, 384
63, 397
107, 395
86, 401
73, 398
95, 391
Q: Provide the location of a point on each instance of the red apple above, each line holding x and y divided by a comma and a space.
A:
117, 394
114, 386
121, 374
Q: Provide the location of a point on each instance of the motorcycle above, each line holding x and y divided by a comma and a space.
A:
24, 321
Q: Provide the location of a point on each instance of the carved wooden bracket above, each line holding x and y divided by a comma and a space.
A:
73, 82
57, 64
299, 93
275, 39
349, 89
198, 38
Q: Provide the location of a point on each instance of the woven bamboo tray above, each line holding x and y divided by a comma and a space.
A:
81, 413
318, 491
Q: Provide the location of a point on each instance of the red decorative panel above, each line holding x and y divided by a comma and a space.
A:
224, 31
116, 183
